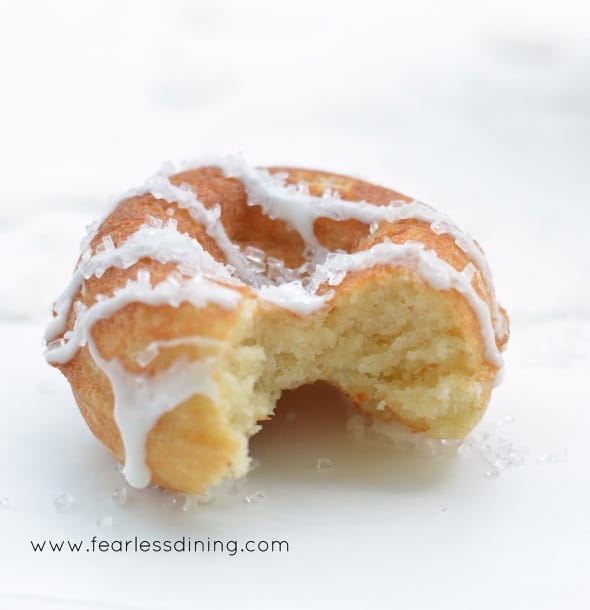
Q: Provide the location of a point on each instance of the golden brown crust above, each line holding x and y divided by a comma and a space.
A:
176, 442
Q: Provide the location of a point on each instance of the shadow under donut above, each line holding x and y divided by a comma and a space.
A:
308, 440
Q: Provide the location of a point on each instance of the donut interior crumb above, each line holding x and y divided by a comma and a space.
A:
395, 348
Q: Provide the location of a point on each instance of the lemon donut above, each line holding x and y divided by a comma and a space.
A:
209, 290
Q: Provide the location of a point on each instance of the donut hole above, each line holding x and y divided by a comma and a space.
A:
248, 226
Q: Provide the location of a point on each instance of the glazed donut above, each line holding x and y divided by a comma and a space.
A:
205, 293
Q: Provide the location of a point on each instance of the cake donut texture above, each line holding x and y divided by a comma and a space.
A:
205, 293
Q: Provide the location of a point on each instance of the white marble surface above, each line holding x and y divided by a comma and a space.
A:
483, 112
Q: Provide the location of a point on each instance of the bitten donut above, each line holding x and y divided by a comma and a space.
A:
205, 293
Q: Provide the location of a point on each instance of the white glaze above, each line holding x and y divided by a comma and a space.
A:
301, 299
198, 291
164, 244
436, 272
152, 350
300, 209
161, 188
139, 399
294, 297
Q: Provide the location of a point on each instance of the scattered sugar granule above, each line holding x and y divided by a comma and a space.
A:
191, 504
255, 498
233, 486
119, 496
493, 473
507, 419
64, 503
324, 463
554, 457
172, 499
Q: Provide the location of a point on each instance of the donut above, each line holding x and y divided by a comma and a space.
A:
205, 293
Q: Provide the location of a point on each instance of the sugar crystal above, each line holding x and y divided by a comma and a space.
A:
143, 277
255, 498
175, 278
119, 496
108, 244
152, 221
172, 499
105, 521
555, 457
55, 344
187, 268
324, 463
450, 446
147, 355
336, 277
191, 504
233, 486
507, 419
78, 307
64, 503
209, 495
254, 254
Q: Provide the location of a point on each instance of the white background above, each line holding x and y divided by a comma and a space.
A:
481, 109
